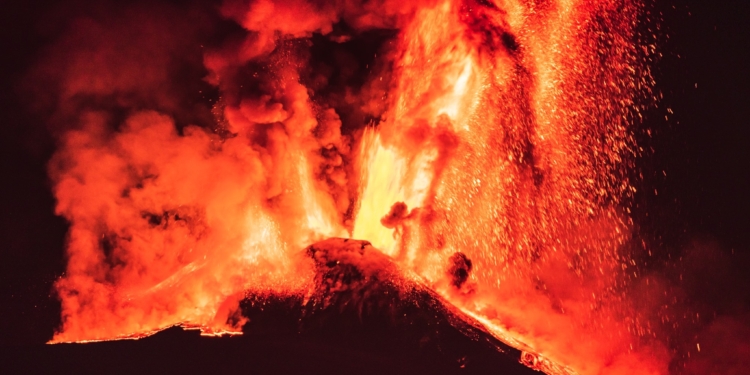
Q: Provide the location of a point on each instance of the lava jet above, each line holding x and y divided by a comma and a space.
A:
216, 162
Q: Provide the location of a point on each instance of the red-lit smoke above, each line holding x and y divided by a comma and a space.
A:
500, 130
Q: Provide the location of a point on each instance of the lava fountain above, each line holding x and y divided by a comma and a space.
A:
488, 160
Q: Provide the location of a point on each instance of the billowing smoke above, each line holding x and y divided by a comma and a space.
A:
193, 162
485, 146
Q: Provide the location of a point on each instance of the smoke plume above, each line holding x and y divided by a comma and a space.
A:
484, 146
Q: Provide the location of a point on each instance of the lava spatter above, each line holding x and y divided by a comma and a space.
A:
482, 147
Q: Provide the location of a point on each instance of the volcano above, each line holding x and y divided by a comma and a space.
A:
363, 316
435, 186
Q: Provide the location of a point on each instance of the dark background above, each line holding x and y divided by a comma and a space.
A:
696, 165
703, 146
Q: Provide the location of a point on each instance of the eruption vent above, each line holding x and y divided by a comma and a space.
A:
482, 147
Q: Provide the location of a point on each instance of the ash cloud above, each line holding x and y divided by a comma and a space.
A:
202, 146
197, 152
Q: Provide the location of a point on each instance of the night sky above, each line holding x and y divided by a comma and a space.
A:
694, 193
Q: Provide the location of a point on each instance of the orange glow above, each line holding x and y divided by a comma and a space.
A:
530, 183
390, 179
506, 137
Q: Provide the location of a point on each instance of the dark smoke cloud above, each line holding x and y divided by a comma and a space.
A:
118, 58
712, 330
697, 302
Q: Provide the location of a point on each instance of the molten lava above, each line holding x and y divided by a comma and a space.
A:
494, 171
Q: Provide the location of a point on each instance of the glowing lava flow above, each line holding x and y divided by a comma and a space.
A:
496, 176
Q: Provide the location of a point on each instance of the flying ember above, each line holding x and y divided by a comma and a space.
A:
484, 148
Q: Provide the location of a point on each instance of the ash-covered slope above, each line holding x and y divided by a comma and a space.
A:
364, 317
362, 302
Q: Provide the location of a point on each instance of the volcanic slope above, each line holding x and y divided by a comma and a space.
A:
363, 317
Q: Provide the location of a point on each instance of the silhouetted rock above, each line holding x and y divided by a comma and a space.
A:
364, 317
